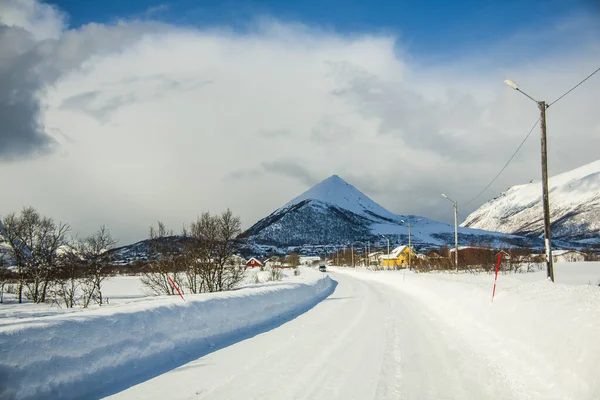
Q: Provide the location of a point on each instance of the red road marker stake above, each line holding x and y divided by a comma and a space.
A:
496, 278
176, 288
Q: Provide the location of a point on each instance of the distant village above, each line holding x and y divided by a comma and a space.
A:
400, 257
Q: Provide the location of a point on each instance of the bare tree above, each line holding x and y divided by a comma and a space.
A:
5, 275
229, 228
34, 243
212, 266
205, 235
11, 230
95, 253
165, 257
68, 278
293, 259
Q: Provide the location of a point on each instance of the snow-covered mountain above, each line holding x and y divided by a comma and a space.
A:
574, 207
334, 212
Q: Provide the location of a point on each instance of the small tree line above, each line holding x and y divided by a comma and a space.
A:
42, 262
50, 265
204, 260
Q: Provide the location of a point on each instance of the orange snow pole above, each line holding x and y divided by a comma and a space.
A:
496, 278
176, 288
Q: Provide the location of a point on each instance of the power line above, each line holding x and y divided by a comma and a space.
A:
505, 165
526, 137
574, 87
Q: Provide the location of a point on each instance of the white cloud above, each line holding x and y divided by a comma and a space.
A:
167, 122
42, 20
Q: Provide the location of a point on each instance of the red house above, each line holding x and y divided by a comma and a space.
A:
253, 262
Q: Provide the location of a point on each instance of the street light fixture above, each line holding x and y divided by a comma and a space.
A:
545, 196
455, 230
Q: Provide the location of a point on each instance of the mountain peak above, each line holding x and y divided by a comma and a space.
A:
337, 192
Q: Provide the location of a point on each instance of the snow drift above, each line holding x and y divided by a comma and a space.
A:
98, 352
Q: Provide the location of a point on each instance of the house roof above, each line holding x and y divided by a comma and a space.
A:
398, 250
470, 247
394, 253
255, 260
563, 252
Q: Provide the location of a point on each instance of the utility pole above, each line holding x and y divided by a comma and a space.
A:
388, 253
455, 230
545, 197
456, 235
352, 247
337, 256
409, 248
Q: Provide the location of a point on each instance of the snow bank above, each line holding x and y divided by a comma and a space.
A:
543, 336
98, 352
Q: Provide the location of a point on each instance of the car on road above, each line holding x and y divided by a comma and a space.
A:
322, 268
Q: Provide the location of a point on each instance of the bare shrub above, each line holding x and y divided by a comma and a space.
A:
165, 258
274, 273
67, 286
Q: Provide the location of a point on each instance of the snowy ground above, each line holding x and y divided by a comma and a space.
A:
117, 290
57, 353
379, 335
384, 335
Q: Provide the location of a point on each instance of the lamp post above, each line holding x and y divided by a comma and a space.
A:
388, 250
545, 196
409, 246
455, 230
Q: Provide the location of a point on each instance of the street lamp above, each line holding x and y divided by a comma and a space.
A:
409, 246
455, 229
545, 196
352, 247
388, 252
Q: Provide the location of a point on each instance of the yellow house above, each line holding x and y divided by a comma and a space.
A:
397, 258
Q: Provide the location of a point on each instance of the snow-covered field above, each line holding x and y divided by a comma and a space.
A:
543, 337
48, 352
377, 335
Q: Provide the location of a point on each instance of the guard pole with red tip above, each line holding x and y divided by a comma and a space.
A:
176, 288
496, 278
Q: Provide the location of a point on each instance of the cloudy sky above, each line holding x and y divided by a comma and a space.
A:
125, 113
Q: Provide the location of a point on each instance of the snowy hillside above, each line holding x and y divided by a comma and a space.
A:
574, 207
335, 213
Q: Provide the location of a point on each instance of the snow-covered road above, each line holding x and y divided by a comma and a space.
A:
367, 340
